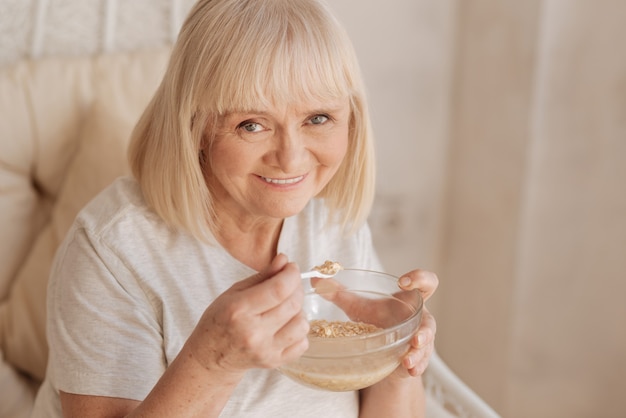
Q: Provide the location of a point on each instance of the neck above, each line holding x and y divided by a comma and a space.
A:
254, 243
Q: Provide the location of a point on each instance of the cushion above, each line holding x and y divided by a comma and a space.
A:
40, 110
122, 85
17, 392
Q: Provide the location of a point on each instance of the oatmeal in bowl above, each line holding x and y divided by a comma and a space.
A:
361, 324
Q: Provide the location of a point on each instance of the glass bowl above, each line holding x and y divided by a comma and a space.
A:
354, 301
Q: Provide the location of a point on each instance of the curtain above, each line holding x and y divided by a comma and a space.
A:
532, 254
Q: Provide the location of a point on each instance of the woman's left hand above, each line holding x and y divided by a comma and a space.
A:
423, 343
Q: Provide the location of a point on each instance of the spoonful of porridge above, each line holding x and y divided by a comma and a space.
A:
324, 271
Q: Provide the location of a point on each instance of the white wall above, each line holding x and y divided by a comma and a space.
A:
521, 105
405, 50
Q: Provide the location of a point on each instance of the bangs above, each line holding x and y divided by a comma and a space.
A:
246, 55
282, 60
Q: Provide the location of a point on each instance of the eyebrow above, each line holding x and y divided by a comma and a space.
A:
244, 112
331, 109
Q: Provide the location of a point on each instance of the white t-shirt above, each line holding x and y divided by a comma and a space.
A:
126, 291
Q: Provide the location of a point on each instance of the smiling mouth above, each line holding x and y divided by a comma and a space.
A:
283, 181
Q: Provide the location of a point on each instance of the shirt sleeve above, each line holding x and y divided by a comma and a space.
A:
104, 334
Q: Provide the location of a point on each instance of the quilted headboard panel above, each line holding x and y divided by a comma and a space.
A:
45, 28
58, 58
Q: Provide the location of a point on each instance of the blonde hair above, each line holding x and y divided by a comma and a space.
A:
237, 55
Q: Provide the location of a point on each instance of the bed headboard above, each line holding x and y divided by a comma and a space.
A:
44, 28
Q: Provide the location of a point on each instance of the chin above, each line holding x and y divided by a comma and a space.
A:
286, 210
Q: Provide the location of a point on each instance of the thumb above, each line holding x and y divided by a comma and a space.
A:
277, 264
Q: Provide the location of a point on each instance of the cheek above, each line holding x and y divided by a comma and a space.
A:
227, 158
225, 171
335, 148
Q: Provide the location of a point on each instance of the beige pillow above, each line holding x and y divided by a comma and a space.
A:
17, 393
40, 111
123, 85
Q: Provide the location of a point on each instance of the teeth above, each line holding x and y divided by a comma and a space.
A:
283, 181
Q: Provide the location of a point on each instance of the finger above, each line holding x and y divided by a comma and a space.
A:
425, 281
278, 315
427, 329
417, 361
326, 286
422, 346
358, 308
284, 345
331, 290
379, 312
293, 337
284, 287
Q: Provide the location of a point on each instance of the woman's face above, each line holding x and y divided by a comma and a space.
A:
268, 163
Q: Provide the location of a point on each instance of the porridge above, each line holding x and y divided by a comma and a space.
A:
329, 267
333, 329
347, 374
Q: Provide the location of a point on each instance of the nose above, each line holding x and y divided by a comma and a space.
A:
290, 151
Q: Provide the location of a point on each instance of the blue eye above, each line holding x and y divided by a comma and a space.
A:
318, 119
250, 126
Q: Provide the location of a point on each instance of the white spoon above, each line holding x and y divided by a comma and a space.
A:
316, 273
325, 271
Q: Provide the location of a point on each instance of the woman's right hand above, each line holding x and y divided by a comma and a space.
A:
257, 323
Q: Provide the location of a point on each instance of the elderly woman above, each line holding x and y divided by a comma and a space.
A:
177, 293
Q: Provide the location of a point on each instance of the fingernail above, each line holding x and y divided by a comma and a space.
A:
421, 340
405, 281
409, 362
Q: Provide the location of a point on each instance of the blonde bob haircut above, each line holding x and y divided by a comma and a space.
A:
238, 55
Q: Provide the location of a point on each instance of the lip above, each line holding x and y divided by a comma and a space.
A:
283, 181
